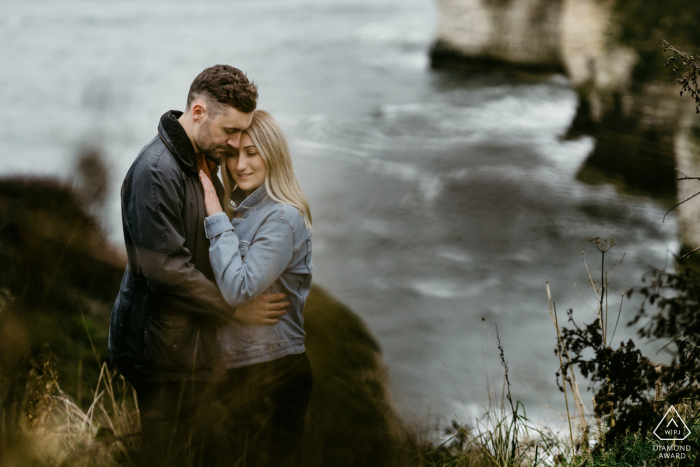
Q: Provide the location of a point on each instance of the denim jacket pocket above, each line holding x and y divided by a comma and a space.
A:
173, 343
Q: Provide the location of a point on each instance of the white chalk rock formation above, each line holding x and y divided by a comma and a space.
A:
523, 32
687, 146
593, 61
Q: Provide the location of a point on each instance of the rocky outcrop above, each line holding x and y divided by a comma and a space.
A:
594, 63
687, 146
350, 419
633, 120
632, 114
573, 36
521, 32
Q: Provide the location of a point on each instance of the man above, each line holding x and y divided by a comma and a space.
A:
163, 324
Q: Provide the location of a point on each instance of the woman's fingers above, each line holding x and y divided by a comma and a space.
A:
270, 321
211, 201
206, 183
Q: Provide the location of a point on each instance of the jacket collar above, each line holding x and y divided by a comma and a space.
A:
252, 202
177, 141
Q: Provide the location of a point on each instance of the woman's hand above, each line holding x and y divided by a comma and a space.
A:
211, 201
262, 310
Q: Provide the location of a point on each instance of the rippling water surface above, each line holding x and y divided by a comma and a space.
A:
438, 198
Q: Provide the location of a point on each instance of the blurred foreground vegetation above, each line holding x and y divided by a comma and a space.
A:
62, 405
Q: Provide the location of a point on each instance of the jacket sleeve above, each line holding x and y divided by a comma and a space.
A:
241, 280
153, 205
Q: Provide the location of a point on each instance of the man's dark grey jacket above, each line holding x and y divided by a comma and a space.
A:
163, 321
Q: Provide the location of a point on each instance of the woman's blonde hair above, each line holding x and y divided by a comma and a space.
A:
280, 182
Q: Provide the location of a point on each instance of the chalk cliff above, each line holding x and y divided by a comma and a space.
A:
573, 36
522, 32
627, 101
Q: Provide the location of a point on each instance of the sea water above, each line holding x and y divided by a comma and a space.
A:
438, 198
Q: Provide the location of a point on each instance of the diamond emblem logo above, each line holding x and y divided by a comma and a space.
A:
672, 427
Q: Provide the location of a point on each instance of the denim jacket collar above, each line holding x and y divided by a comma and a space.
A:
252, 202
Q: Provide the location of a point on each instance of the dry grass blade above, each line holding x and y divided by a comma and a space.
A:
62, 433
573, 383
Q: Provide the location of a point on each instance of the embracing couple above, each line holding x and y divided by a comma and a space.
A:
208, 325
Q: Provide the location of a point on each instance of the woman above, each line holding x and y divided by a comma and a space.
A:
263, 245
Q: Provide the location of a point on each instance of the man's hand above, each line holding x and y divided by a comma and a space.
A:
262, 310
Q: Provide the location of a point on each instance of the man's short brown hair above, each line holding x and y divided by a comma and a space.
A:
224, 85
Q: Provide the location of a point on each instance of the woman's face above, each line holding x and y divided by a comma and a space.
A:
246, 166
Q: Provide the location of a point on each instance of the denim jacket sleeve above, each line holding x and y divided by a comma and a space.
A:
243, 279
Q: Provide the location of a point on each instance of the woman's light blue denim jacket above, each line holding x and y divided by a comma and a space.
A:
267, 250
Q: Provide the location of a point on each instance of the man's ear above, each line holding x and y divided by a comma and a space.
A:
199, 109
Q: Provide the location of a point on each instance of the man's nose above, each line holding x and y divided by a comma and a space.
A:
234, 140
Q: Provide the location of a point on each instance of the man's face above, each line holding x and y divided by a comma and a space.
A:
217, 135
